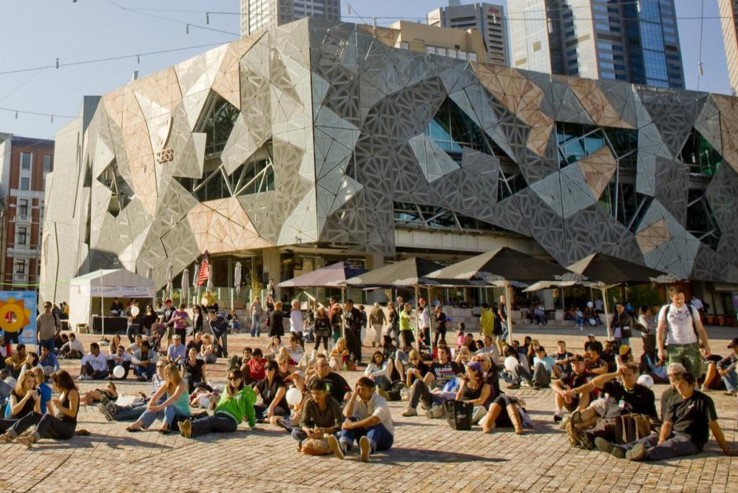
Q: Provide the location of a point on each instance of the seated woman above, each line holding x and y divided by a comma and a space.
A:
235, 404
24, 399
321, 417
32, 361
381, 371
43, 388
104, 395
207, 349
194, 370
416, 368
114, 345
285, 365
339, 356
272, 391
295, 349
61, 420
476, 390
503, 413
176, 405
463, 356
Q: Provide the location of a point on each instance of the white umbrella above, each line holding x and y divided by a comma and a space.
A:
186, 283
194, 275
169, 280
237, 277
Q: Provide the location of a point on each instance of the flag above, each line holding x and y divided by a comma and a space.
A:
204, 270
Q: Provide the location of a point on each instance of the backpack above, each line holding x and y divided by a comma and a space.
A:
691, 318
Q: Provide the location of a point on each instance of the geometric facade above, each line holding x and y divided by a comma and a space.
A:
319, 133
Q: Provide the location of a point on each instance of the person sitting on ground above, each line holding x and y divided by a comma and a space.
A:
562, 357
136, 345
193, 370
48, 361
321, 417
710, 377
60, 422
290, 422
176, 405
339, 355
429, 390
197, 340
414, 368
609, 356
285, 365
368, 422
177, 352
131, 412
337, 385
94, 364
32, 361
592, 341
726, 368
543, 365
207, 350
235, 404
489, 348
618, 399
381, 371
107, 394
120, 358
294, 348
255, 367
144, 362
24, 399
651, 365
115, 343
685, 430
272, 391
593, 363
43, 388
504, 412
564, 397
463, 356
15, 363
476, 390
516, 374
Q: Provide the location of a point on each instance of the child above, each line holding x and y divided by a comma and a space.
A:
460, 336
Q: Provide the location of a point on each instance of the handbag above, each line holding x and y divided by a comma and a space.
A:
315, 446
631, 427
459, 414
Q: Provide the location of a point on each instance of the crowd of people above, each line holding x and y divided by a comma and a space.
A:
598, 397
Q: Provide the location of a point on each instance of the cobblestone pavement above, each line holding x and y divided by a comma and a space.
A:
427, 456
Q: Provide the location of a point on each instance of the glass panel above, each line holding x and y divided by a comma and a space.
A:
700, 156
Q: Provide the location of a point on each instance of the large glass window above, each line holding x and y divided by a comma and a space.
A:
453, 129
48, 163
701, 220
432, 217
700, 156
122, 192
25, 183
22, 236
25, 160
217, 121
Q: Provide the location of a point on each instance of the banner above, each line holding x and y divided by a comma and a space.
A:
18, 316
118, 291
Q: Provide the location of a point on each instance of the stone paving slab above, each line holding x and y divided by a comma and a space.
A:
427, 456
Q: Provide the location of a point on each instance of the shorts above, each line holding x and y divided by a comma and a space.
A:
605, 408
688, 355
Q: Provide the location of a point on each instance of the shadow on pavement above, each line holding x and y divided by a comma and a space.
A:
404, 455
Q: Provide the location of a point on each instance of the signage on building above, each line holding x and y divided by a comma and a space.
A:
18, 316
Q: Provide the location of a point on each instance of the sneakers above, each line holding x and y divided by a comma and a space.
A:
604, 446
436, 412
638, 452
731, 393
573, 433
185, 428
336, 447
410, 411
513, 386
366, 448
525, 383
84, 377
106, 411
558, 416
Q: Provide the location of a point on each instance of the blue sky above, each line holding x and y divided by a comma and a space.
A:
37, 32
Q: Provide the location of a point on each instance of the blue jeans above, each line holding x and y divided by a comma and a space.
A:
129, 413
676, 446
168, 415
379, 437
731, 381
255, 326
147, 371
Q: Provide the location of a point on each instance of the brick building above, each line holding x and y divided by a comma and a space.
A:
24, 164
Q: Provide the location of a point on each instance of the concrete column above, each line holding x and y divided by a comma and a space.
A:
273, 268
375, 261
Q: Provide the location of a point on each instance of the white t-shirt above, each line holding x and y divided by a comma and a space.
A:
378, 407
296, 321
679, 329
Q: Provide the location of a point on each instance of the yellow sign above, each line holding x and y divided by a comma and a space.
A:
13, 315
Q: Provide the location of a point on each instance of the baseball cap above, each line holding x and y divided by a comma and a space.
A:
733, 343
474, 365
624, 349
676, 368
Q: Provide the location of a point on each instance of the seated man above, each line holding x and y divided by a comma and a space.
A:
562, 358
144, 362
337, 385
726, 368
609, 355
429, 390
565, 397
618, 399
368, 421
685, 430
72, 349
516, 373
177, 352
15, 363
94, 364
120, 358
48, 361
593, 363
543, 365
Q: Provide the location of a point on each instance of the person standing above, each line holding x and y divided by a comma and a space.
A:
352, 321
219, 326
297, 324
680, 327
48, 326
502, 314
377, 319
621, 325
486, 321
276, 326
256, 312
406, 331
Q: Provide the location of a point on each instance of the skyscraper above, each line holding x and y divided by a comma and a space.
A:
486, 18
259, 14
729, 20
635, 41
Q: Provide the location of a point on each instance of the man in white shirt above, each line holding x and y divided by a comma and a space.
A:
296, 323
682, 328
369, 422
94, 364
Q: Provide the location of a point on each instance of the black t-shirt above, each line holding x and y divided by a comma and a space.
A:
27, 407
692, 417
337, 385
194, 373
444, 372
638, 400
441, 322
470, 394
572, 380
268, 392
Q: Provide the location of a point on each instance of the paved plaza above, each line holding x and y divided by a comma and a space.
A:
427, 455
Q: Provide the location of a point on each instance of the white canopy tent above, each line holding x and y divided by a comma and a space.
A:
101, 284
